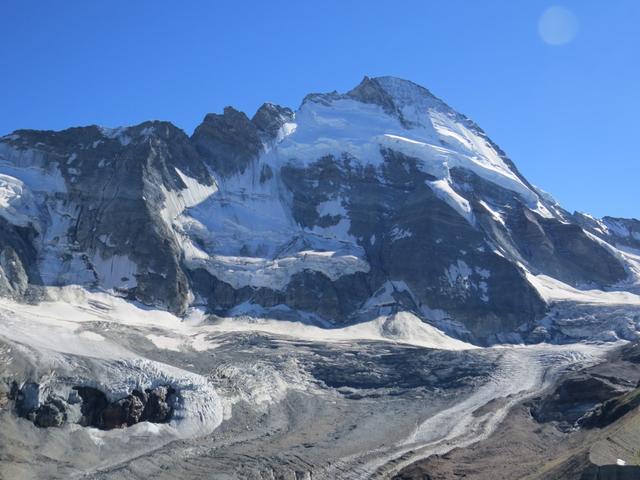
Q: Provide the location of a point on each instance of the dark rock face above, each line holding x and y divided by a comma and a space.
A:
229, 141
47, 410
594, 397
18, 260
307, 291
94, 403
573, 398
270, 118
395, 207
611, 410
611, 472
27, 397
370, 91
564, 251
550, 246
115, 181
314, 292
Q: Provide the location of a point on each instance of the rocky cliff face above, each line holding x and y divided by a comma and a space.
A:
356, 205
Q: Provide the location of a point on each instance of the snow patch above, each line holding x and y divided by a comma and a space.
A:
115, 271
553, 290
339, 231
165, 342
177, 201
17, 204
443, 190
398, 233
276, 273
494, 214
458, 274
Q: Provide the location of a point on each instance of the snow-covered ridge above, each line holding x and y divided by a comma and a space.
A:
256, 203
73, 312
555, 290
439, 137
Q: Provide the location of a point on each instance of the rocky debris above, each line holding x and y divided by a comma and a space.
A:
90, 407
611, 410
158, 406
5, 395
50, 414
40, 405
94, 402
541, 451
573, 398
122, 413
594, 397
359, 372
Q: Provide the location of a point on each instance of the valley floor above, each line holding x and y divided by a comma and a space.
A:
263, 399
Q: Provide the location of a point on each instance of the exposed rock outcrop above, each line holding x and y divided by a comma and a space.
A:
90, 407
228, 142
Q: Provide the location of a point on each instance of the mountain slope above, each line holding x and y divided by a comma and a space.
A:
353, 207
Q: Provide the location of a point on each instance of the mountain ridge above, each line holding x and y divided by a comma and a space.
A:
356, 205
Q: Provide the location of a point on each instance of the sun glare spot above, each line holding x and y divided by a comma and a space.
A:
557, 26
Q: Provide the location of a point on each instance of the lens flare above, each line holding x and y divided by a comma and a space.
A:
557, 26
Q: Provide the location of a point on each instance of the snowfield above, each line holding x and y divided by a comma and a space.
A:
552, 289
75, 311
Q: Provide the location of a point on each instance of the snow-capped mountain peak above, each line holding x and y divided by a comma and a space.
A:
308, 214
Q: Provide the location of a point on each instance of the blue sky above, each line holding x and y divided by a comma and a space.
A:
566, 114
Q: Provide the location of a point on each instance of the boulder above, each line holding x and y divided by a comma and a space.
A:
159, 405
93, 403
51, 414
122, 413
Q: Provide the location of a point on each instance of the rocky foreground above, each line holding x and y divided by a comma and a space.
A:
585, 426
254, 402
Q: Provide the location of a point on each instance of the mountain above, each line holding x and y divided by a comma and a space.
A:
356, 205
365, 287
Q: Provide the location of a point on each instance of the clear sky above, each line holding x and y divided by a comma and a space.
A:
558, 91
